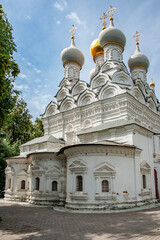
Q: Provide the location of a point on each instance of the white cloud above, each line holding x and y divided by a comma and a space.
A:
37, 70
74, 17
22, 76
58, 22
21, 87
29, 17
37, 80
60, 5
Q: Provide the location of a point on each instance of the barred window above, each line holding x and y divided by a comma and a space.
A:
105, 186
23, 183
79, 183
144, 181
54, 186
37, 183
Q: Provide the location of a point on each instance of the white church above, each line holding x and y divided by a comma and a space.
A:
101, 143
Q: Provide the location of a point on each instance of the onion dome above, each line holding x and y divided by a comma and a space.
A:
152, 84
95, 48
72, 54
112, 35
138, 59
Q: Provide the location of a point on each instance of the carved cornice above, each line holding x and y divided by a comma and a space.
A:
100, 150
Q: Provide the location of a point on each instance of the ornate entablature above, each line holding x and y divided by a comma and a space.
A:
104, 170
78, 166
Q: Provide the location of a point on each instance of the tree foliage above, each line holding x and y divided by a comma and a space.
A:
16, 126
8, 68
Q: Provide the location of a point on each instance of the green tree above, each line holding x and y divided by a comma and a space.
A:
8, 68
37, 128
19, 125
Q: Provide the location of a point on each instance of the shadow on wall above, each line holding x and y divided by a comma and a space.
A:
21, 222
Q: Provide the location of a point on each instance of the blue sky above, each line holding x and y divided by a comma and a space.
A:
41, 32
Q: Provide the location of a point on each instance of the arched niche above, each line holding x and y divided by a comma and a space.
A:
62, 94
151, 105
138, 95
87, 124
97, 82
78, 88
67, 104
51, 109
109, 91
122, 79
86, 98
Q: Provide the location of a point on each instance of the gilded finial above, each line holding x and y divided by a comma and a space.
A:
104, 16
110, 12
73, 31
152, 84
136, 36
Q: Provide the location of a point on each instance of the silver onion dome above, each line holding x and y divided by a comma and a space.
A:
138, 60
72, 54
112, 35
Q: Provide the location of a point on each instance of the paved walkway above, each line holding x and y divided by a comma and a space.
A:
29, 222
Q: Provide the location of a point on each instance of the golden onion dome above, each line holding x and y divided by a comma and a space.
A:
95, 48
152, 84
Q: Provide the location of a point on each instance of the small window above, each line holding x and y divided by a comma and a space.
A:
71, 72
9, 183
54, 186
105, 186
79, 184
37, 183
144, 181
23, 184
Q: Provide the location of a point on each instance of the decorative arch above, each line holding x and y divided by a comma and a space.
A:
67, 104
51, 109
138, 94
152, 105
69, 128
109, 90
78, 88
122, 79
86, 98
140, 85
97, 82
62, 93
87, 124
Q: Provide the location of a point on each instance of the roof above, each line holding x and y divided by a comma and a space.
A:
45, 138
101, 143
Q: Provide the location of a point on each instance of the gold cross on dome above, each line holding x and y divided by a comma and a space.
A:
72, 31
136, 36
110, 12
104, 16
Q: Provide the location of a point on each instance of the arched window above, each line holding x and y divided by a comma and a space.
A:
79, 184
9, 183
105, 186
54, 186
114, 55
70, 72
37, 183
144, 181
23, 183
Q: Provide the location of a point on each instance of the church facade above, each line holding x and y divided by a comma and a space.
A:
101, 143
